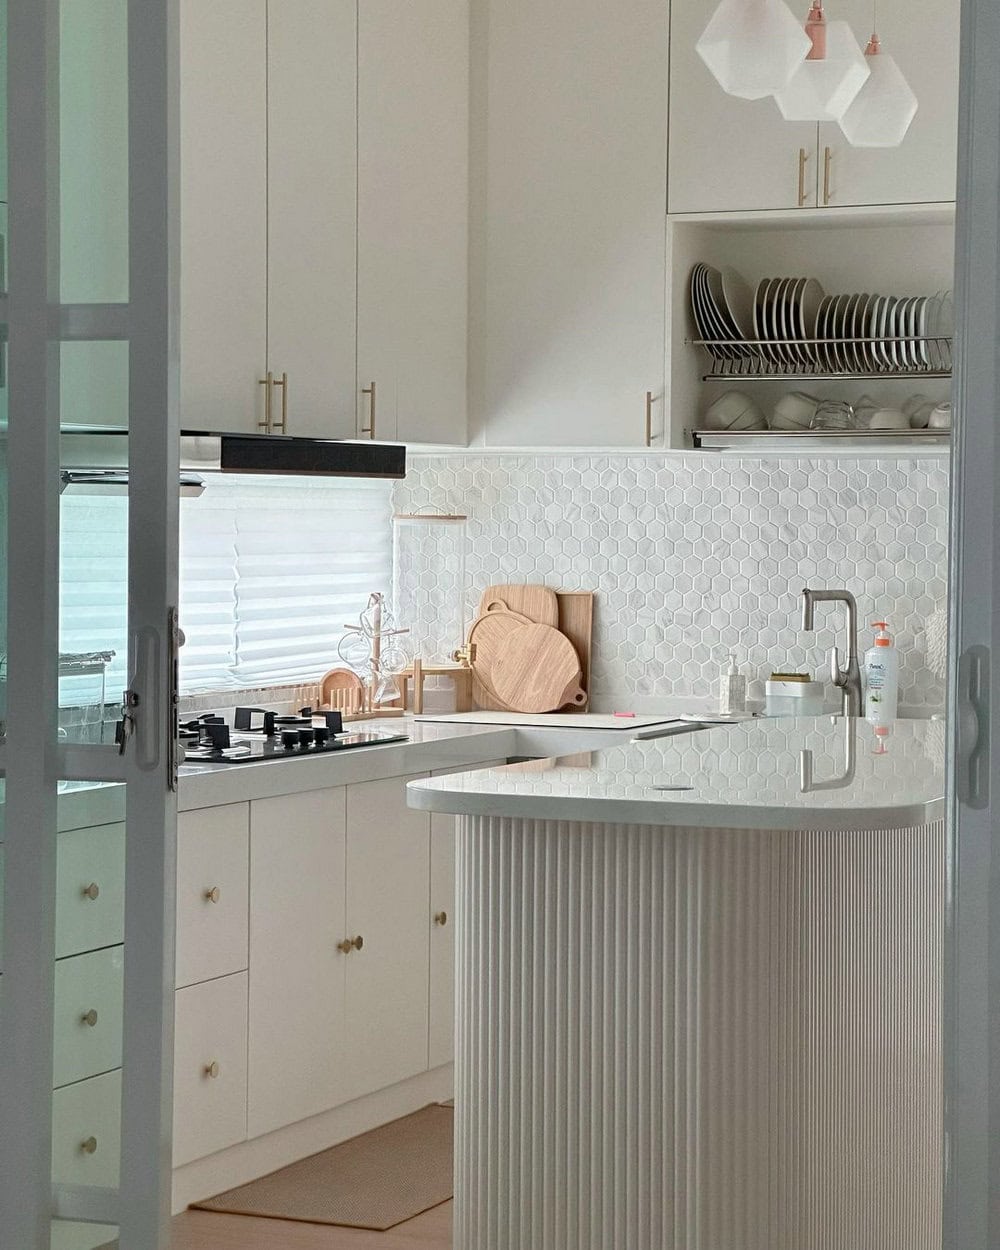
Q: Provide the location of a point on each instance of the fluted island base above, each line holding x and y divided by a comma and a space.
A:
690, 1039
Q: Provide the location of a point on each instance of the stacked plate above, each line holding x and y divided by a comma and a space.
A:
884, 333
722, 304
784, 312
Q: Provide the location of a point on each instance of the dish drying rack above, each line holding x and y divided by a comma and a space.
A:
743, 360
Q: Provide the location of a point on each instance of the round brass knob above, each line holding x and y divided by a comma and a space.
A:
89, 1018
212, 1070
346, 946
91, 891
213, 895
441, 918
358, 942
89, 1146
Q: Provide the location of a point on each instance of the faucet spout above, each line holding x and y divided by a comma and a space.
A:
849, 678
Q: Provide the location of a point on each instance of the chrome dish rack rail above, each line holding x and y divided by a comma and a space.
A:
808, 360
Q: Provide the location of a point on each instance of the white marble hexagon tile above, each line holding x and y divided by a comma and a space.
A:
693, 554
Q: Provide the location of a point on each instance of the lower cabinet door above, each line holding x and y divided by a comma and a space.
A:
210, 1067
86, 1132
296, 969
388, 865
212, 852
87, 1028
441, 1031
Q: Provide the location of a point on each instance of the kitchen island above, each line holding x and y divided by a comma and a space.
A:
699, 999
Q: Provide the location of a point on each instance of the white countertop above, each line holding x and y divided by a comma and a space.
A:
746, 776
431, 746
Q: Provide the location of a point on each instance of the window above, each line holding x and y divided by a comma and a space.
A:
271, 569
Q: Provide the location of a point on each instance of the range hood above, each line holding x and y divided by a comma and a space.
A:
96, 448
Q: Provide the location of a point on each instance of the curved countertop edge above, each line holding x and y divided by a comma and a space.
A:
432, 797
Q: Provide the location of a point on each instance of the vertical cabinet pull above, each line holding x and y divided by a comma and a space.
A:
267, 383
282, 425
803, 195
827, 163
649, 418
369, 429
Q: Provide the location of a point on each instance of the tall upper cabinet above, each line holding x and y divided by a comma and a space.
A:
569, 115
324, 152
728, 154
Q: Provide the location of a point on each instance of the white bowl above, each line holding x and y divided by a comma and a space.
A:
734, 411
889, 419
940, 418
793, 411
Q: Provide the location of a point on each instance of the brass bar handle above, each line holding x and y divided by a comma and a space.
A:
282, 425
369, 429
827, 164
803, 158
267, 383
649, 418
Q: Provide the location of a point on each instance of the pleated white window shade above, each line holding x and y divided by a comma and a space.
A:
93, 583
271, 570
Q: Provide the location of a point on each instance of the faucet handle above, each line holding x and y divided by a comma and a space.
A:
837, 676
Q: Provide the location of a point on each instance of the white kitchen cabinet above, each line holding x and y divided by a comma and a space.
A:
87, 1022
387, 876
728, 154
210, 1067
223, 187
312, 211
441, 920
924, 167
297, 918
413, 228
568, 271
90, 889
213, 849
74, 1235
86, 1132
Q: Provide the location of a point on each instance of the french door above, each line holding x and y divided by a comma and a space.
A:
89, 286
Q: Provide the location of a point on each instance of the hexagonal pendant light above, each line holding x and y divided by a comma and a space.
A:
881, 112
753, 47
828, 80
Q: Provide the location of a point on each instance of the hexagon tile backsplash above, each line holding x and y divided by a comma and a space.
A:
691, 556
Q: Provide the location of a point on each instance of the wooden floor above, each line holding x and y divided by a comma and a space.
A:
207, 1230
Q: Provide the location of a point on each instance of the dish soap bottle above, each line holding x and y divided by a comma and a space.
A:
881, 677
732, 689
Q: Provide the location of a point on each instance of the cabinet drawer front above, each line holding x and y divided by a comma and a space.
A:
212, 892
87, 1032
90, 889
88, 1112
210, 1067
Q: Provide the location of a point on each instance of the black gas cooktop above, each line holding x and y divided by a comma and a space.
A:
258, 734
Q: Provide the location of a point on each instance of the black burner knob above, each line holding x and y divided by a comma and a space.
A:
289, 739
305, 737
321, 736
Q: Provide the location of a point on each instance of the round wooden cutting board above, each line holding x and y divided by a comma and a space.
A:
487, 633
536, 669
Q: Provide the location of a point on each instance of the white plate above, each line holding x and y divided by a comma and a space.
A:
706, 330
715, 300
738, 302
885, 355
761, 305
811, 295
779, 324
873, 332
720, 331
907, 330
920, 318
800, 354
859, 329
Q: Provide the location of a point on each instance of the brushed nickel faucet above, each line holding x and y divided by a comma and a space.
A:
848, 679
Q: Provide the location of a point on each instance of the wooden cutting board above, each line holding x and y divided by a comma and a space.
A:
536, 669
576, 621
487, 634
538, 603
